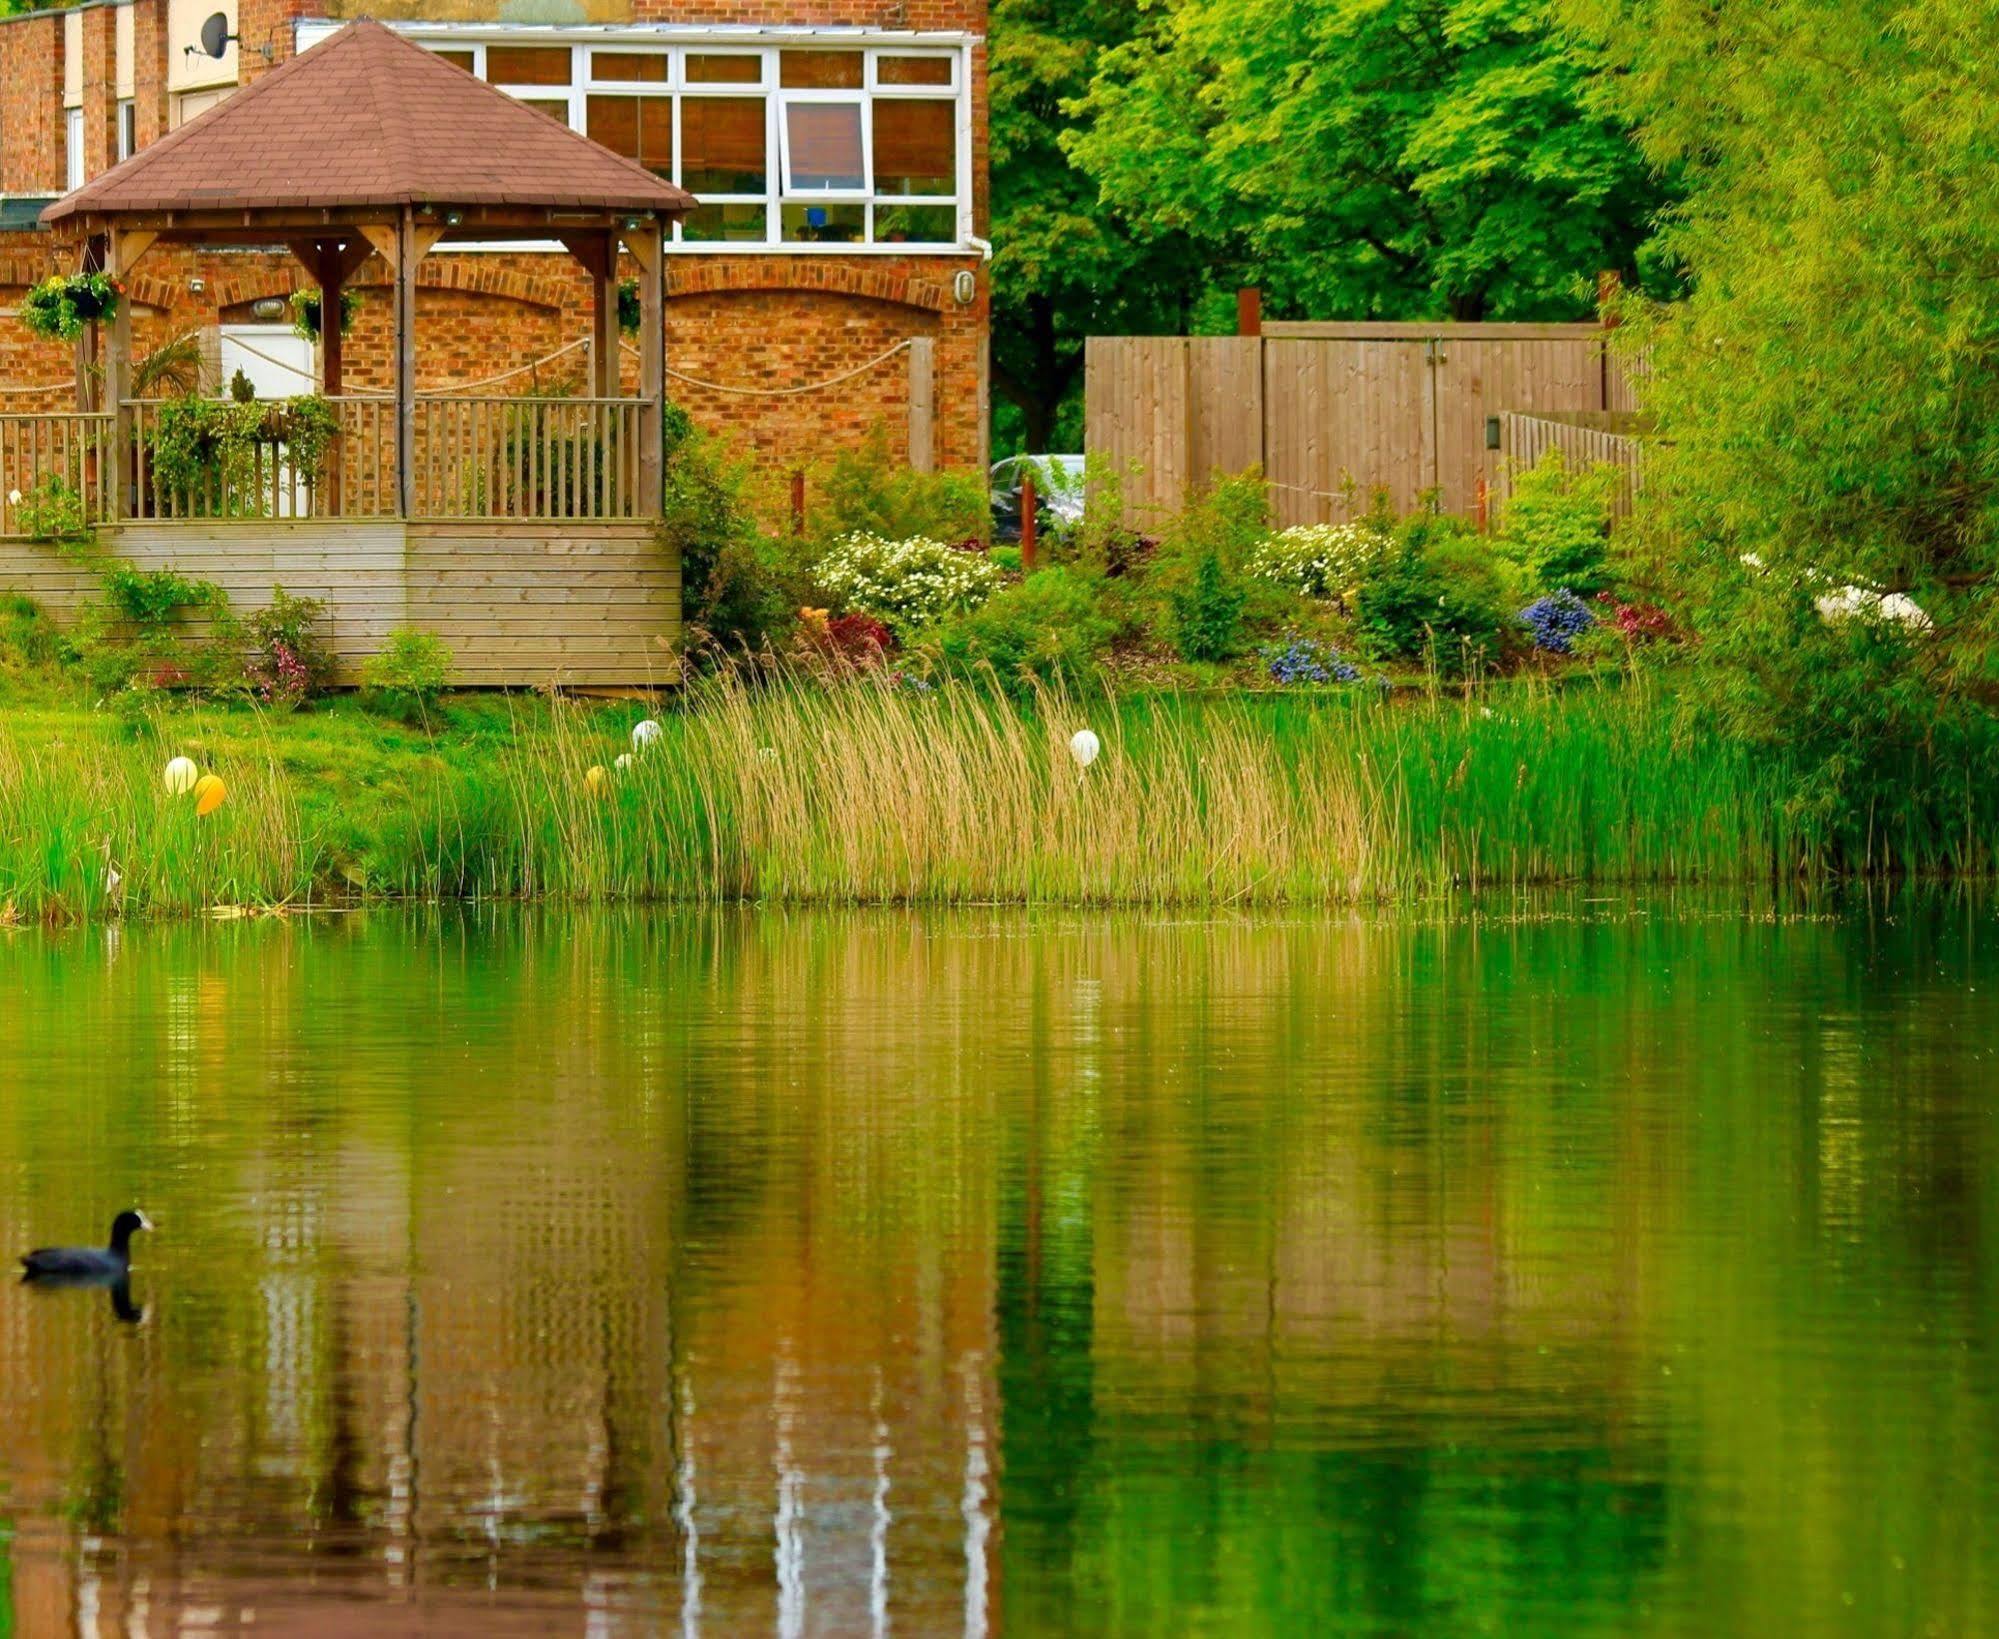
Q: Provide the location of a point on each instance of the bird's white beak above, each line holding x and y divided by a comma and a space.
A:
145, 1222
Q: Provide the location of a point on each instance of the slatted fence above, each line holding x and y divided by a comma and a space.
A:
1335, 412
1585, 438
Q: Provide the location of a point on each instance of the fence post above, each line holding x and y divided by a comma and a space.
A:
922, 404
1249, 311
1029, 523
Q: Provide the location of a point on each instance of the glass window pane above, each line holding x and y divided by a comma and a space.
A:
819, 70
722, 145
629, 65
919, 224
527, 65
912, 70
706, 68
825, 224
457, 59
640, 128
825, 142
916, 147
724, 222
558, 111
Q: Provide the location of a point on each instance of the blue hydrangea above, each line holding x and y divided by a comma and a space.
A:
1305, 660
1557, 620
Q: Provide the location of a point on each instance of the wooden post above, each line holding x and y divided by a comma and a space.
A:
645, 244
1030, 524
922, 404
1249, 311
405, 332
330, 280
798, 501
123, 247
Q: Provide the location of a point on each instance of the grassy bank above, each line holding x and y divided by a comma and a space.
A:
867, 793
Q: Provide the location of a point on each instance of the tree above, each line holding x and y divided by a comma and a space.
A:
1828, 391
1375, 158
1066, 265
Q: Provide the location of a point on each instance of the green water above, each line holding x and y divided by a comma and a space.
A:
1574, 1268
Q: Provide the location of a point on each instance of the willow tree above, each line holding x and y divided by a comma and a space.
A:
1827, 494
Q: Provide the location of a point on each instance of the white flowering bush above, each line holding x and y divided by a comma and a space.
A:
907, 585
1321, 560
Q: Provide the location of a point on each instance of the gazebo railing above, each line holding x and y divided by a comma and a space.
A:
524, 459
45, 458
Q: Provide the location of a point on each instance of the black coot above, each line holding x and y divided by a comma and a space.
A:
88, 1263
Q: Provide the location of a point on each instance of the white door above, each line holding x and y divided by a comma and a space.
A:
276, 358
278, 362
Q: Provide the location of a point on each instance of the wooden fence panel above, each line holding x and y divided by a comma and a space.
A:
1336, 412
1585, 439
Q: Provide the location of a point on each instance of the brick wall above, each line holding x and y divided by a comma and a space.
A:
31, 125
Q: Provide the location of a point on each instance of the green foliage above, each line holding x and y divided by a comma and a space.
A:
740, 585
170, 370
290, 660
59, 306
1067, 264
1390, 158
866, 491
630, 313
52, 509
206, 449
305, 312
151, 599
1329, 561
28, 638
408, 674
1441, 598
1827, 394
1557, 526
1006, 559
241, 389
1047, 629
1207, 612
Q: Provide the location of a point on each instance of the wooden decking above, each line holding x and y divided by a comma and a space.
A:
574, 602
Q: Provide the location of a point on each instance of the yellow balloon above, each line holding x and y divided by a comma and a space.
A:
596, 778
208, 794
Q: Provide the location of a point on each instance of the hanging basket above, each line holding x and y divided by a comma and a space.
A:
305, 312
62, 304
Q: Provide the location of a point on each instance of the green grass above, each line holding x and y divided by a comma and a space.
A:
866, 794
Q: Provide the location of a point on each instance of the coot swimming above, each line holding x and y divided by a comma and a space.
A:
88, 1262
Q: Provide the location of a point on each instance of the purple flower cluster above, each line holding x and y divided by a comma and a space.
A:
1305, 660
1557, 620
282, 679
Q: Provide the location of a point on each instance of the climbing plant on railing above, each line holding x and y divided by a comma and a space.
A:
63, 303
211, 448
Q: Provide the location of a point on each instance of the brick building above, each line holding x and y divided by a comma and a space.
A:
838, 148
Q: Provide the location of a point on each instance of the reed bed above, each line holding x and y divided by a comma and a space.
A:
868, 792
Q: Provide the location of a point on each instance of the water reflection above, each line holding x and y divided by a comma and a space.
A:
846, 1274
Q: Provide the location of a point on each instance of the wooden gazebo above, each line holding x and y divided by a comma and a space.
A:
368, 145
523, 529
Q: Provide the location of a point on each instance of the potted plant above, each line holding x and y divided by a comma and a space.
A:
305, 312
63, 303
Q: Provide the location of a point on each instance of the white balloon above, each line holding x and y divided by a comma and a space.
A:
181, 775
1084, 746
645, 733
624, 761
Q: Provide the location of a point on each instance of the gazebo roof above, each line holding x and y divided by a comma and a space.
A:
367, 118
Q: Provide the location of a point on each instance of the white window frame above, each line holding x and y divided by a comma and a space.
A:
675, 42
73, 169
128, 128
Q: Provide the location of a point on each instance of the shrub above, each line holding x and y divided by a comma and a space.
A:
408, 674
1047, 627
27, 636
151, 598
909, 585
289, 661
1307, 660
1557, 525
740, 585
1207, 612
1006, 559
852, 640
52, 509
866, 492
1557, 620
1441, 594
1322, 560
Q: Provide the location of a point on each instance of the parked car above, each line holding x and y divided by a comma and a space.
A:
1058, 492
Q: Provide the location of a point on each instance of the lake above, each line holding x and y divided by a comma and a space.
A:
1583, 1267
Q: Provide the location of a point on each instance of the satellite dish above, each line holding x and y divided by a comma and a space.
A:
215, 35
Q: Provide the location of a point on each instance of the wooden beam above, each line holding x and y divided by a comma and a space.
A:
404, 263
647, 250
922, 404
122, 249
386, 243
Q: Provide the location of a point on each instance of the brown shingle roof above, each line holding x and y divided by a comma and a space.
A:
368, 118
